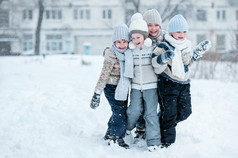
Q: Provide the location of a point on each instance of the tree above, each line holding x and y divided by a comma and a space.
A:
38, 27
166, 8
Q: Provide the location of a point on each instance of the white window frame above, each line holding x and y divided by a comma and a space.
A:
27, 42
82, 14
53, 14
221, 15
201, 15
107, 14
221, 42
27, 14
54, 42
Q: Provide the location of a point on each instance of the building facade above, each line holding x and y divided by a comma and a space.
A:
76, 25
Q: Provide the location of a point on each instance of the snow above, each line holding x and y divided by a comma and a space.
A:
45, 113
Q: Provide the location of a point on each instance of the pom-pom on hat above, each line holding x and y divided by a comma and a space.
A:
138, 25
177, 23
121, 32
152, 16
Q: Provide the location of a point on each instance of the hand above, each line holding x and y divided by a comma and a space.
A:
186, 58
167, 56
200, 49
95, 101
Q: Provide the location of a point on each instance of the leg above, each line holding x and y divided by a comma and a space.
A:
135, 109
152, 124
184, 104
169, 92
117, 122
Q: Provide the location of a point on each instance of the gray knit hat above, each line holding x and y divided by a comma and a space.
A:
120, 32
177, 23
152, 16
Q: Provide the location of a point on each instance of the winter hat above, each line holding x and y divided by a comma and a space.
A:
120, 32
138, 25
152, 16
177, 23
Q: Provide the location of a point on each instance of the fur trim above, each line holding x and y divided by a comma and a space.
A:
148, 42
132, 45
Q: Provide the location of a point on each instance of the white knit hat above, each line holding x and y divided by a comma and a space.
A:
152, 16
138, 25
177, 23
120, 32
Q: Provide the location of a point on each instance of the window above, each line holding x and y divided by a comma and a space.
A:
53, 14
4, 18
201, 15
221, 15
200, 38
220, 42
237, 15
82, 14
27, 42
54, 42
107, 14
27, 14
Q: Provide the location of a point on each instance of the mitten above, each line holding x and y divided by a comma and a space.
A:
186, 57
95, 101
200, 49
167, 56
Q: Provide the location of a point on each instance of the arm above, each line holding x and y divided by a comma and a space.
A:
102, 81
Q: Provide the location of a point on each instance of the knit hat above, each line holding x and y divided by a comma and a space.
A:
120, 32
138, 25
177, 23
152, 16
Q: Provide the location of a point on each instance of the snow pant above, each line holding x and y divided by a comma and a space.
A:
117, 121
175, 105
146, 100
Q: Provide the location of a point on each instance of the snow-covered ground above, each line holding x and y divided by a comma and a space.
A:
45, 113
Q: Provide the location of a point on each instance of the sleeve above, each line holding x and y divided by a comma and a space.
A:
108, 64
156, 57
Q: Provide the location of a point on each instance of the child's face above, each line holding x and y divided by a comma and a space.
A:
138, 39
121, 44
154, 29
179, 35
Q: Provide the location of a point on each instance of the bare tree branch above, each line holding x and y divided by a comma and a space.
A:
169, 10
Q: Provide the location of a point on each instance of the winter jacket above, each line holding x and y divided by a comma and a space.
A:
110, 73
162, 47
144, 75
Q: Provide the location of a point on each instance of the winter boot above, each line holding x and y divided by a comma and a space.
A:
152, 148
107, 135
119, 141
165, 145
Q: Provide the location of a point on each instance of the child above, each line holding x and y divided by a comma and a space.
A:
156, 34
144, 84
174, 84
114, 80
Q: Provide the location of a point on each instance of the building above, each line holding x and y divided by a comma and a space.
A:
75, 25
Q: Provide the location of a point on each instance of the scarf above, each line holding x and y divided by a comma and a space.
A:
125, 58
179, 47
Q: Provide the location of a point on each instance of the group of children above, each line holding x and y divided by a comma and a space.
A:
151, 67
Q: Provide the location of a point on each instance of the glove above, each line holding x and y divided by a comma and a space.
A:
167, 56
95, 101
186, 58
200, 49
